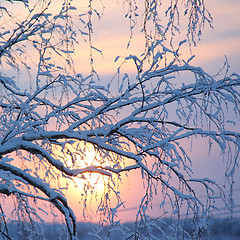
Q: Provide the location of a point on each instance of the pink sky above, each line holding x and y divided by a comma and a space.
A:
112, 38
224, 39
111, 35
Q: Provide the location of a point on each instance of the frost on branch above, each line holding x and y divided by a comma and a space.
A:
47, 129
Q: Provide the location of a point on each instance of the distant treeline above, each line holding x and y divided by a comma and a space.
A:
216, 228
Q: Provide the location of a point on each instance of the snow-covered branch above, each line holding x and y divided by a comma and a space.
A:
68, 125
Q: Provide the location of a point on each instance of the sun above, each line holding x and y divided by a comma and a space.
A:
80, 155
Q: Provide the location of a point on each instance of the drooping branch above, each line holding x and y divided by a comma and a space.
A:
54, 197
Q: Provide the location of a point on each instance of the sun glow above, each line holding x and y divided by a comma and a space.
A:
81, 155
86, 192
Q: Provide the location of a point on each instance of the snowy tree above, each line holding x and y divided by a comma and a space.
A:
50, 114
